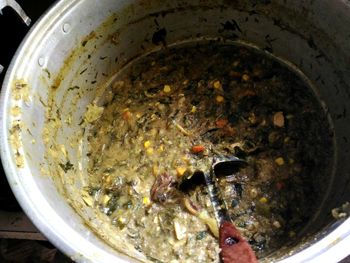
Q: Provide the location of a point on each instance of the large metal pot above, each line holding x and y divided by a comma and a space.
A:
84, 43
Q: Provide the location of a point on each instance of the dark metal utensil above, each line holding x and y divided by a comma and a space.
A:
234, 248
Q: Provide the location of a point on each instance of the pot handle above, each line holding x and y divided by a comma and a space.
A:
18, 9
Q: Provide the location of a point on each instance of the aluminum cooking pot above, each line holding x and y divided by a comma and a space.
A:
83, 43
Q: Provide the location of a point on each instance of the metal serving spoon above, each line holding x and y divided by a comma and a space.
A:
234, 248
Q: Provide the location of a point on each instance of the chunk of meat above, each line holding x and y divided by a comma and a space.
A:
164, 189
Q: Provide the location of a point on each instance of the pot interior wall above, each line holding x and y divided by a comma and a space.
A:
87, 49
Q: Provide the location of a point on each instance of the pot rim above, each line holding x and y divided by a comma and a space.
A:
331, 248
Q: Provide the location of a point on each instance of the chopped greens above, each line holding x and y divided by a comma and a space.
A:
66, 166
169, 113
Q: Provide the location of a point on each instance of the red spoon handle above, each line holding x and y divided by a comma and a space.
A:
234, 248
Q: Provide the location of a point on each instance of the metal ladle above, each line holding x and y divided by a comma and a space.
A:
234, 248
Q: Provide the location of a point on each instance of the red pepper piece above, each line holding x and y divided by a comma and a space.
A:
234, 248
279, 185
198, 148
221, 123
126, 115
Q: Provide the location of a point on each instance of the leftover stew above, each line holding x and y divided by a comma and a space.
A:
164, 119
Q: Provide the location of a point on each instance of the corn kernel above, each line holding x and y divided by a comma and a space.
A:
167, 88
219, 99
276, 224
278, 119
185, 159
108, 179
146, 201
180, 171
263, 200
147, 144
194, 109
149, 151
245, 77
88, 200
253, 193
122, 220
105, 199
155, 170
279, 161
217, 85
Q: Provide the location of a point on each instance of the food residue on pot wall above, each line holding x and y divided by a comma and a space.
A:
16, 143
20, 90
20, 95
93, 113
